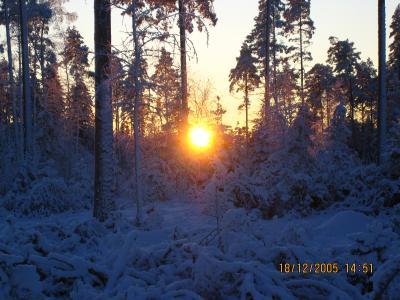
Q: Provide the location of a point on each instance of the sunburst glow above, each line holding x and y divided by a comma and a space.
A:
200, 137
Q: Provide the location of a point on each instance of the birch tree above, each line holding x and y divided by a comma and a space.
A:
147, 27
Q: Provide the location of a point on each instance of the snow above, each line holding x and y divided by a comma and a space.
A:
344, 223
72, 256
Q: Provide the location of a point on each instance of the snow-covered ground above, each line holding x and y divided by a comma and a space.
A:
178, 254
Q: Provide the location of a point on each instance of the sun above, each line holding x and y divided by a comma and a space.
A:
200, 137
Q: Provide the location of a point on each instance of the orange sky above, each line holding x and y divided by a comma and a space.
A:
353, 19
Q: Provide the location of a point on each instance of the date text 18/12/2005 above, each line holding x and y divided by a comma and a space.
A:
324, 268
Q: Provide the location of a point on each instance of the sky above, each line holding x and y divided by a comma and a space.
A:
353, 19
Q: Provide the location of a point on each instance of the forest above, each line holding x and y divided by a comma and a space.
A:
121, 178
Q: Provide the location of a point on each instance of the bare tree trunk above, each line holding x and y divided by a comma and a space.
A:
184, 80
103, 180
301, 62
328, 111
20, 96
19, 150
382, 105
267, 95
28, 137
41, 55
136, 116
352, 105
246, 103
274, 60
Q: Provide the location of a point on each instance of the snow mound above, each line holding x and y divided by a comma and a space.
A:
344, 223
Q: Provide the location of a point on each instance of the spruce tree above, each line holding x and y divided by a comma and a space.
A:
166, 87
343, 57
394, 68
318, 87
79, 105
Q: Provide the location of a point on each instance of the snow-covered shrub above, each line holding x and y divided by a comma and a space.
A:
81, 183
285, 179
155, 181
45, 197
8, 168
386, 280
378, 244
43, 193
392, 166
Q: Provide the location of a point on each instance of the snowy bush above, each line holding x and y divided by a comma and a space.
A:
44, 197
393, 152
387, 280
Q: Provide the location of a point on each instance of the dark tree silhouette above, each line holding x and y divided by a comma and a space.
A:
103, 119
382, 80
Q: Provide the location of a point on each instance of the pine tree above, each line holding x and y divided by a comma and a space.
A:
118, 77
7, 8
40, 15
263, 40
103, 180
366, 95
299, 28
5, 107
137, 63
382, 106
26, 80
187, 11
244, 78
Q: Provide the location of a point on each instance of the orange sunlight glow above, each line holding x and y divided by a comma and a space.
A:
200, 137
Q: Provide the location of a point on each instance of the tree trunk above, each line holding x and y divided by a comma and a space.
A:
19, 150
184, 80
28, 137
274, 60
103, 180
267, 95
136, 116
382, 105
20, 96
246, 103
301, 61
352, 105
